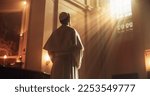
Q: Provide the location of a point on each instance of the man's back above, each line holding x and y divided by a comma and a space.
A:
63, 39
66, 49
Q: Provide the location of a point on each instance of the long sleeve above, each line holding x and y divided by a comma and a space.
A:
78, 52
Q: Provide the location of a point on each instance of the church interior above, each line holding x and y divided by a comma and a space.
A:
115, 35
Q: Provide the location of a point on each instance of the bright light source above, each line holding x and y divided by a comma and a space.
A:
21, 34
120, 8
5, 56
46, 62
147, 60
24, 2
46, 57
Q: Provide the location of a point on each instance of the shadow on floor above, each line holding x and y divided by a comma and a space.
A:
16, 73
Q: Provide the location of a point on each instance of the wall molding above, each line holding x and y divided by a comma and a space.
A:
79, 5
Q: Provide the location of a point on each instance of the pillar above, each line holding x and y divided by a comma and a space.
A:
35, 35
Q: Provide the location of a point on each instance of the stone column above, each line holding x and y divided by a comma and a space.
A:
35, 35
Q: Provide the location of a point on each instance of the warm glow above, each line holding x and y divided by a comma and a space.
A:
21, 34
19, 59
46, 62
147, 60
120, 8
46, 57
24, 2
5, 56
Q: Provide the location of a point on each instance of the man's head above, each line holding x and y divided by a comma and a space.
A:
64, 18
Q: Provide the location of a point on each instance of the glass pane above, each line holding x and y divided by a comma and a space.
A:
120, 8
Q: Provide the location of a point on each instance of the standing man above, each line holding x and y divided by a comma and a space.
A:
65, 49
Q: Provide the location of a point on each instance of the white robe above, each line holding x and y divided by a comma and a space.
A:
66, 50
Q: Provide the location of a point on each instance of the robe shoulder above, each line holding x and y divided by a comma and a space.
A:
61, 39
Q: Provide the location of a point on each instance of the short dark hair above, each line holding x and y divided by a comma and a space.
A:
64, 18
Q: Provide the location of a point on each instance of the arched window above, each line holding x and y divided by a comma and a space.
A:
121, 12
